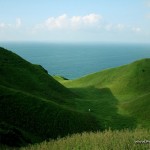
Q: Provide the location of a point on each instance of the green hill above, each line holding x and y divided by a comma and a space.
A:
124, 90
19, 74
127, 79
34, 106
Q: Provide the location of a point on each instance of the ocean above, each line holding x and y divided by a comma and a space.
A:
76, 60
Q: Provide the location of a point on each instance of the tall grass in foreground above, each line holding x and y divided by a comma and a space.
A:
107, 140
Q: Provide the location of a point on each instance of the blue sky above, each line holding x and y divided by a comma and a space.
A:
75, 20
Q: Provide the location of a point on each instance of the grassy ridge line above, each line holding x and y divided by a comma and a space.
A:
131, 78
40, 117
116, 140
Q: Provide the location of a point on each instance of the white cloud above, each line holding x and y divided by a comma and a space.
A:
108, 27
120, 27
2, 25
76, 21
136, 29
85, 21
58, 22
15, 25
66, 22
91, 18
18, 23
91, 21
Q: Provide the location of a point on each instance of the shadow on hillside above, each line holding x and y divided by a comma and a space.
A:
103, 104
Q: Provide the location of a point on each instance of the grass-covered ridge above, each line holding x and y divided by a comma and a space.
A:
124, 90
19, 74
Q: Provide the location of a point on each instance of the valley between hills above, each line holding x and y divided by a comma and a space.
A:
37, 107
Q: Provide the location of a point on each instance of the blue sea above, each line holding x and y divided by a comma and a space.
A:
78, 59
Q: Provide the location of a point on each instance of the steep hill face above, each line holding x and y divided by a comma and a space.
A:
19, 74
34, 106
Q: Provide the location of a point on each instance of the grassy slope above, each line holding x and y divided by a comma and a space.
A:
139, 108
124, 90
33, 102
17, 73
40, 116
108, 140
131, 78
115, 96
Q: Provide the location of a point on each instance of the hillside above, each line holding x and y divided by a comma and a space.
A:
19, 74
126, 89
131, 78
34, 106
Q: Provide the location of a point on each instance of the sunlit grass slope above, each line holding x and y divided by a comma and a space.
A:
107, 140
139, 108
34, 106
131, 79
124, 90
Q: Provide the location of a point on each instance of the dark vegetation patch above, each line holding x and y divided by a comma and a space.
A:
12, 136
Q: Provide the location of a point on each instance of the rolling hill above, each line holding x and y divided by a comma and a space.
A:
35, 106
129, 86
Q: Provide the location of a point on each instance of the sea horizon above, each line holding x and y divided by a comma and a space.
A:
74, 60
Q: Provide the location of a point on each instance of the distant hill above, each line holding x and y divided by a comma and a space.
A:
34, 106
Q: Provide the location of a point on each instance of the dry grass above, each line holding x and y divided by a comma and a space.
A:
107, 140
